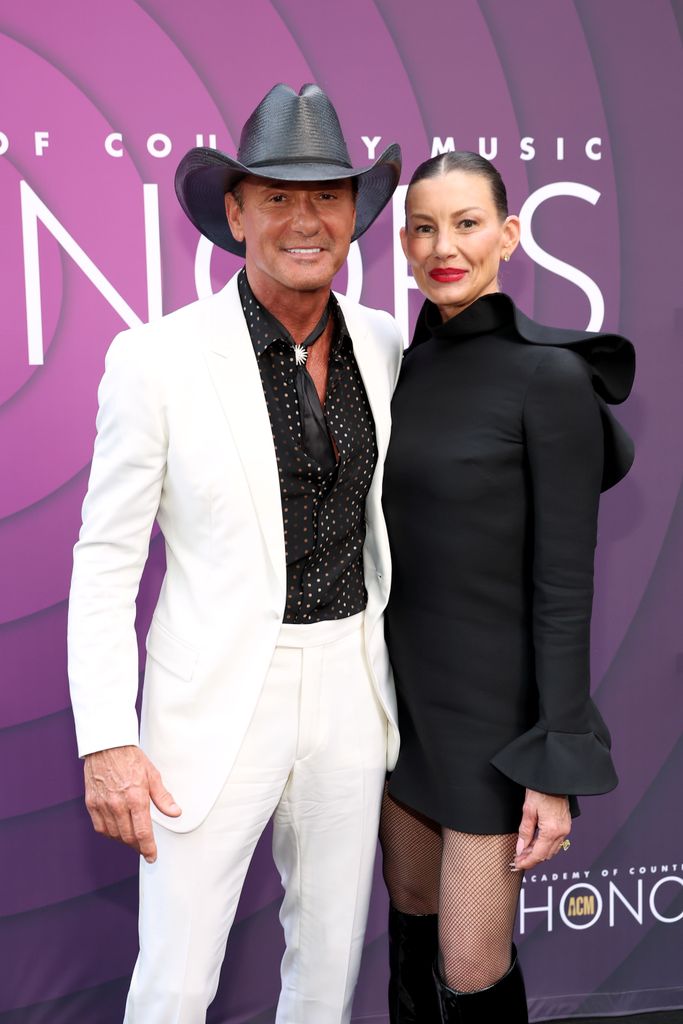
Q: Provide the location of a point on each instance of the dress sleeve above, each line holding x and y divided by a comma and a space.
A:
567, 750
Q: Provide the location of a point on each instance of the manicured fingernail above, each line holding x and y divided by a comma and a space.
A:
174, 807
520, 846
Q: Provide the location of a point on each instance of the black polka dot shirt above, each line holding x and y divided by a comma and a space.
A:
323, 510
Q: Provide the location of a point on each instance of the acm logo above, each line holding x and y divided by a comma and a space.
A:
580, 905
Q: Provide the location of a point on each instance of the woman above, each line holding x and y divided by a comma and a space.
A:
500, 447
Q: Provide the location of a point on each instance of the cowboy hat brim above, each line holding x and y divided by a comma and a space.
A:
205, 175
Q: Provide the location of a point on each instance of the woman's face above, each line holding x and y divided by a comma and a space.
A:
454, 239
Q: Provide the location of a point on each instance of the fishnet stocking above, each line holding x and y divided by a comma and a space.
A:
411, 857
466, 878
477, 905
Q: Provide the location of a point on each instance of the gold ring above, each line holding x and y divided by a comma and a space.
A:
565, 845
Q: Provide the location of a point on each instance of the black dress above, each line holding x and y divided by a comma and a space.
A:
501, 443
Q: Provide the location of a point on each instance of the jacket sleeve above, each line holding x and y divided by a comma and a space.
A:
567, 750
123, 496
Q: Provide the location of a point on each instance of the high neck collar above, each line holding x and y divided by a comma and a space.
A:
486, 314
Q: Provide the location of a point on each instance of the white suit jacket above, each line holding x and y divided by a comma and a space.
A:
183, 436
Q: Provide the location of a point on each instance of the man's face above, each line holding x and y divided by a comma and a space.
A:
297, 234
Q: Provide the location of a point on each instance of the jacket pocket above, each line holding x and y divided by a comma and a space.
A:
171, 653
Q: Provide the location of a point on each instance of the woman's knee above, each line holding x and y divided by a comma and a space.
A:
413, 901
469, 965
411, 890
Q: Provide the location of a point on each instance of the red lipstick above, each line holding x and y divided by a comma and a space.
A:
447, 275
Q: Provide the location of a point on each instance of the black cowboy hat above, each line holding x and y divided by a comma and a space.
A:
287, 138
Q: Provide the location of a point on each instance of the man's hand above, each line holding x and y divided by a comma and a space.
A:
546, 823
119, 784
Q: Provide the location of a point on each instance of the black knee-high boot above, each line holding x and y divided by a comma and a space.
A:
502, 1003
413, 945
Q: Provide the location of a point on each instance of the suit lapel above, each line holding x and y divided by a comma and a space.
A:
377, 379
235, 376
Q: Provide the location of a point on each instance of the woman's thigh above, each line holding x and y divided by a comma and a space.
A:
411, 857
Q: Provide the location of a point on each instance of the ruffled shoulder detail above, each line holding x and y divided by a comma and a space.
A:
610, 359
558, 762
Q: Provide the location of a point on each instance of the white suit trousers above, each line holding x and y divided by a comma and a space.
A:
314, 757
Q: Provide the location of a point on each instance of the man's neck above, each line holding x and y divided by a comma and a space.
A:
298, 311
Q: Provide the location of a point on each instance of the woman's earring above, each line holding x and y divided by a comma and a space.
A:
506, 257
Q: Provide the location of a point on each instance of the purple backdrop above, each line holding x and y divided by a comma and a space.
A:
98, 104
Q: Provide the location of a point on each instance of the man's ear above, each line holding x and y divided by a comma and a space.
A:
404, 241
233, 212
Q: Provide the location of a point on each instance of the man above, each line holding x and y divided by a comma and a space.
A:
253, 426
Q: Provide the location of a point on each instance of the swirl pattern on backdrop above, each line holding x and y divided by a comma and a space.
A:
152, 76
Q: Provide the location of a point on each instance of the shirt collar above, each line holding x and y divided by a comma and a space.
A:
263, 329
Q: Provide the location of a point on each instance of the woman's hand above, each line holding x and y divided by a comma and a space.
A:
546, 823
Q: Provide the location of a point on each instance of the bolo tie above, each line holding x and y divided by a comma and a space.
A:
316, 437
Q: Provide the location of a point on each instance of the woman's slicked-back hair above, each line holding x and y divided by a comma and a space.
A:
463, 160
